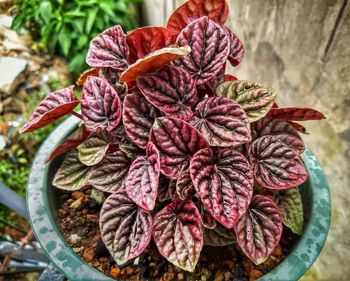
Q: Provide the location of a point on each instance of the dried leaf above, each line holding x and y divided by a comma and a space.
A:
296, 114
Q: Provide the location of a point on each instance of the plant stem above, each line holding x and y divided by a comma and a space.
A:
76, 114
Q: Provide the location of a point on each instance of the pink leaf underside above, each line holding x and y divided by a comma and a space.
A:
223, 179
138, 118
216, 10
100, 105
109, 174
178, 234
259, 230
126, 229
184, 185
276, 165
210, 48
153, 62
171, 89
236, 48
54, 106
145, 40
296, 114
142, 181
109, 49
176, 141
222, 121
280, 129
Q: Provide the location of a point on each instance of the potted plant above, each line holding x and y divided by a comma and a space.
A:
186, 155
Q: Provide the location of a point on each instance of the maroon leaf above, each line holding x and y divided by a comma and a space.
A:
259, 230
126, 229
72, 141
89, 72
216, 10
178, 234
207, 219
223, 179
218, 236
109, 174
172, 90
163, 189
109, 49
222, 121
100, 105
280, 129
296, 114
276, 165
145, 40
130, 149
138, 118
210, 48
142, 181
54, 106
176, 141
236, 48
184, 185
300, 128
112, 77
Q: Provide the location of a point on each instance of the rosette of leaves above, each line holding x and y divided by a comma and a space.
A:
178, 144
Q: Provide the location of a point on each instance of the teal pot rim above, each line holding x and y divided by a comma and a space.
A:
43, 218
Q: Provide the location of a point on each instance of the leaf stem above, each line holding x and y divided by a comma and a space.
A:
76, 114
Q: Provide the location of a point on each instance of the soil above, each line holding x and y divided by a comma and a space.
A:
79, 215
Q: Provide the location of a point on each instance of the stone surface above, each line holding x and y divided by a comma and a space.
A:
301, 49
12, 70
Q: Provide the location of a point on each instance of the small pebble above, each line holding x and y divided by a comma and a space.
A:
77, 194
115, 272
88, 255
74, 238
228, 275
219, 276
77, 203
180, 276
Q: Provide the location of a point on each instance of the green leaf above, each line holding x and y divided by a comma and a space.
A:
83, 41
78, 24
46, 11
256, 99
90, 19
65, 41
291, 205
77, 63
92, 151
72, 175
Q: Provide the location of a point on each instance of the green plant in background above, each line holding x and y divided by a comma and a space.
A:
66, 27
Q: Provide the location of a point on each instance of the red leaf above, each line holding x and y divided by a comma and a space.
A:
178, 234
276, 165
223, 179
222, 121
296, 114
138, 118
176, 141
300, 128
54, 106
259, 230
89, 72
143, 177
210, 48
229, 77
145, 40
109, 49
280, 129
126, 229
216, 10
184, 186
172, 90
153, 62
100, 105
236, 48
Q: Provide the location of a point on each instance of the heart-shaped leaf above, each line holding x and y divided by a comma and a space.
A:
153, 62
126, 228
100, 105
176, 141
280, 129
276, 165
210, 48
112, 77
89, 72
218, 236
72, 174
54, 106
109, 49
256, 99
296, 114
291, 205
223, 179
92, 151
216, 10
72, 141
236, 48
142, 181
145, 40
178, 233
138, 118
259, 230
171, 89
222, 122
184, 185
109, 174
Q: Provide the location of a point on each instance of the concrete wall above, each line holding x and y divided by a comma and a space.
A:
302, 49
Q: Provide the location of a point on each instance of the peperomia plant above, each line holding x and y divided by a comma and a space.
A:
189, 155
